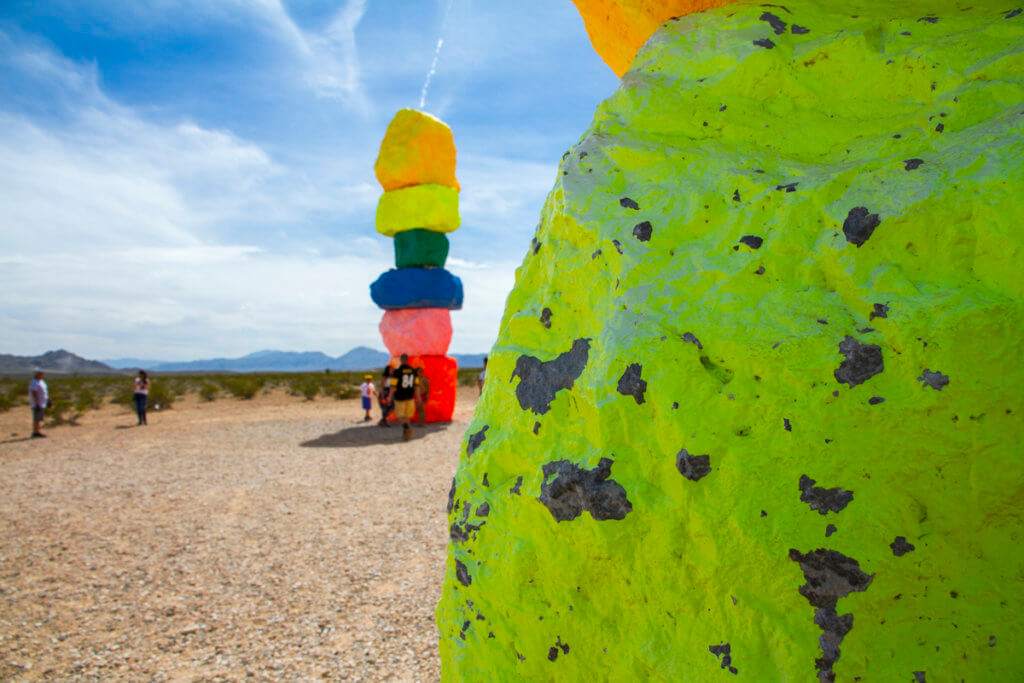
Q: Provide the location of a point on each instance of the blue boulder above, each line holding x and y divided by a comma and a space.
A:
417, 288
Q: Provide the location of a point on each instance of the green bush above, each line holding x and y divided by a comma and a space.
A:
307, 387
338, 389
208, 392
243, 387
62, 411
12, 393
161, 396
122, 396
88, 399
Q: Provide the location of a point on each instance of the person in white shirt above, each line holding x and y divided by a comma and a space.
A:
38, 401
367, 391
140, 394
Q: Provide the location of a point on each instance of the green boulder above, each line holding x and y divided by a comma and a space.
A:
420, 248
755, 405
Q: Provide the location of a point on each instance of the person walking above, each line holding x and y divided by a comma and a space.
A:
385, 398
405, 386
38, 401
367, 391
140, 394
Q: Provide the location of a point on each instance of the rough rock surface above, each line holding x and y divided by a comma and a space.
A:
430, 207
794, 124
417, 148
417, 331
617, 28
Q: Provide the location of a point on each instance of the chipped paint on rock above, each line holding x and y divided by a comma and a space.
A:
729, 347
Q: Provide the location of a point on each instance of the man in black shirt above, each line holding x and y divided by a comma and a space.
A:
405, 388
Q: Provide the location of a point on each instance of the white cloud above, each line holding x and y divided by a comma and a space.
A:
329, 57
466, 265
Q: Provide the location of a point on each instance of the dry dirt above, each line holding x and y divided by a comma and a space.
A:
271, 539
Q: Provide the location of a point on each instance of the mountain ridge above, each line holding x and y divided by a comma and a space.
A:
63, 362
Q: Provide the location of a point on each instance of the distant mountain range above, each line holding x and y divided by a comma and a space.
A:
66, 363
359, 358
58, 362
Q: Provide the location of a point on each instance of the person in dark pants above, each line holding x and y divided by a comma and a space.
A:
384, 397
38, 401
140, 395
405, 385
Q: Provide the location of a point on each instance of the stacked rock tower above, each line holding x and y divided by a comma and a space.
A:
420, 204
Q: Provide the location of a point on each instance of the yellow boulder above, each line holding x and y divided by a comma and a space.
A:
431, 207
417, 149
617, 28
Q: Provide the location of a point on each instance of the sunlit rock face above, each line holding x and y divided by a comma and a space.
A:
755, 406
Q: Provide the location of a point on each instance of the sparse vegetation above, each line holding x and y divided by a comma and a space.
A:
208, 392
74, 397
243, 387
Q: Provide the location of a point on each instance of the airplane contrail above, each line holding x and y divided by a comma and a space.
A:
437, 54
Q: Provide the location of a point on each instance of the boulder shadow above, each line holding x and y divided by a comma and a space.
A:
372, 435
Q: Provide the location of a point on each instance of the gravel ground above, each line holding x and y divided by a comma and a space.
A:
268, 539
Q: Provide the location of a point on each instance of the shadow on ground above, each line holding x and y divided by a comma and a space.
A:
372, 435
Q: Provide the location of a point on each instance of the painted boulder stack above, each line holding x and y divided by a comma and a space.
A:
420, 205
754, 410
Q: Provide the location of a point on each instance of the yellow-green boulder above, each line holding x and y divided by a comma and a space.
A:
754, 412
430, 207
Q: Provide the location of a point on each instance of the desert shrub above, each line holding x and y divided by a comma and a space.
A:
346, 391
242, 387
161, 395
333, 388
122, 396
177, 385
62, 411
208, 392
11, 394
467, 376
62, 405
87, 399
308, 387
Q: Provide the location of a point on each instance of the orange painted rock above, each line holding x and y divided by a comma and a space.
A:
417, 331
617, 28
417, 149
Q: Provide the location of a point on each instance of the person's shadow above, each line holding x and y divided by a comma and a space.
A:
372, 435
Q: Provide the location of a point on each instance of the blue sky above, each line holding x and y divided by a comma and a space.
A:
186, 178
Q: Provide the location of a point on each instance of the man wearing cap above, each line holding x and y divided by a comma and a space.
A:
38, 401
367, 391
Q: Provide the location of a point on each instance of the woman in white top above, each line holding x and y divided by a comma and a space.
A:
140, 393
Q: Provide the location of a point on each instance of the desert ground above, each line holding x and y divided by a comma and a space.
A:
275, 538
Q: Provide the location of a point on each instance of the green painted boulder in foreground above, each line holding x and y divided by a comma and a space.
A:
755, 407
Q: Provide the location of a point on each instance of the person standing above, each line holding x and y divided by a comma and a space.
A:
405, 387
38, 401
140, 394
384, 398
367, 391
483, 376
